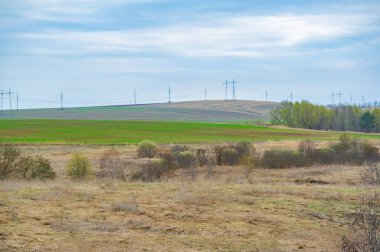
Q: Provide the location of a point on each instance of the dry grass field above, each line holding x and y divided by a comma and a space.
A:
221, 211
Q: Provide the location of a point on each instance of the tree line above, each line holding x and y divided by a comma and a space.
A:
339, 118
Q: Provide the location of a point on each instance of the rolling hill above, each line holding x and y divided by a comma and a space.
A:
193, 111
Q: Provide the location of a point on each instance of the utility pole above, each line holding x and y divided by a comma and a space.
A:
351, 100
61, 101
291, 96
226, 86
333, 98
134, 95
362, 100
170, 93
233, 82
10, 99
205, 94
340, 98
2, 99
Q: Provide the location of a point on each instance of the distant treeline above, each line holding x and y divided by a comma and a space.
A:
340, 118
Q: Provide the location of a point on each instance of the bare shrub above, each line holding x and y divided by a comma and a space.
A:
9, 155
344, 143
218, 149
226, 155
370, 152
352, 151
283, 159
35, 168
79, 167
185, 159
168, 157
347, 151
248, 164
324, 156
151, 171
177, 148
232, 154
111, 165
201, 156
306, 147
244, 148
147, 149
371, 174
364, 227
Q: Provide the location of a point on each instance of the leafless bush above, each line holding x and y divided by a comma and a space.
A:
111, 165
370, 152
283, 159
232, 154
353, 151
347, 151
306, 147
201, 156
177, 148
9, 155
365, 227
151, 171
226, 155
325, 156
244, 148
371, 174
248, 164
168, 157
35, 168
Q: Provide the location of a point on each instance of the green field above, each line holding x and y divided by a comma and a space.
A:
125, 132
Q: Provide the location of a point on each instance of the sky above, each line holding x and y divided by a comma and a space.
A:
98, 52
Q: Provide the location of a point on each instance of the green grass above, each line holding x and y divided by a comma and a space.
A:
125, 132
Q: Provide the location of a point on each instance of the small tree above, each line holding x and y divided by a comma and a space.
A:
35, 168
147, 149
8, 160
368, 122
79, 167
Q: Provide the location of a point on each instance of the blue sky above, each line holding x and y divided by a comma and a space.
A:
97, 52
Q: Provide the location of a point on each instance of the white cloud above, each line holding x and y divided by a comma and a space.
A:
249, 36
68, 11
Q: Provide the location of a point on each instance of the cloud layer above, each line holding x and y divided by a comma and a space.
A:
247, 36
267, 45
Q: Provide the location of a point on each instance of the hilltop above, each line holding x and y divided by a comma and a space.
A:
197, 111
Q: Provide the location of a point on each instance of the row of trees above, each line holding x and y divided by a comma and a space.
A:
340, 118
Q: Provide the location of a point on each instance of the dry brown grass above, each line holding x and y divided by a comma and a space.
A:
224, 212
